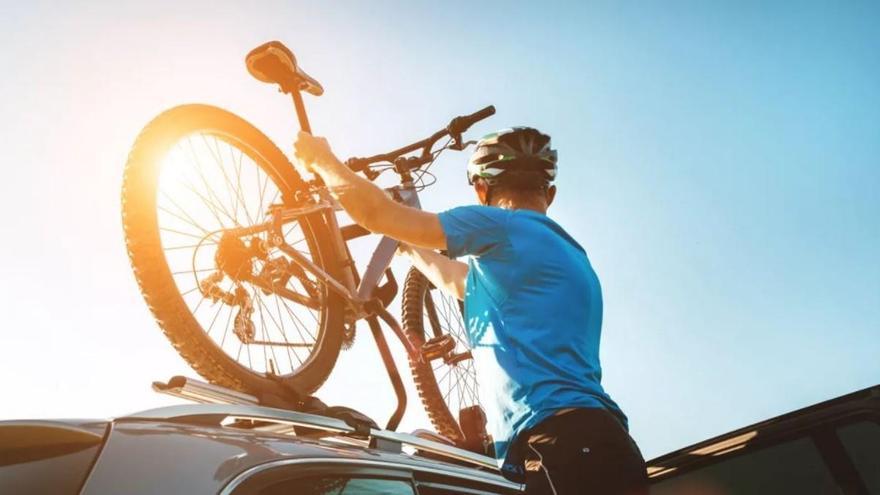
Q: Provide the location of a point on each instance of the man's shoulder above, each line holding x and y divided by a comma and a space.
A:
481, 210
474, 229
476, 216
541, 229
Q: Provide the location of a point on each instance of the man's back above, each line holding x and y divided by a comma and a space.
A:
533, 308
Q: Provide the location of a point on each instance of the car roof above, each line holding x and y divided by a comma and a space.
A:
211, 447
224, 434
860, 402
293, 446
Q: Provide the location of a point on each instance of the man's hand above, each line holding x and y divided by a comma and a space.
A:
313, 152
367, 204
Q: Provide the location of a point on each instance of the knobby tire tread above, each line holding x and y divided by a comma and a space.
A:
143, 243
415, 289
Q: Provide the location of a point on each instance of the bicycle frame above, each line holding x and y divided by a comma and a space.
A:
384, 252
361, 298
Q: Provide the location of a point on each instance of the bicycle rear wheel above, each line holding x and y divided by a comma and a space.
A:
194, 173
446, 385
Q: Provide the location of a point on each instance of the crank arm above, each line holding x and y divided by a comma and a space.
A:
457, 358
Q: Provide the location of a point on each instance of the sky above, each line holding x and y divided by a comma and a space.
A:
720, 163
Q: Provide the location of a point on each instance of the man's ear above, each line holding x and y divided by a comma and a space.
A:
482, 190
551, 193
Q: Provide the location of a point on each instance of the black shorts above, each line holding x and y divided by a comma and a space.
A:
584, 452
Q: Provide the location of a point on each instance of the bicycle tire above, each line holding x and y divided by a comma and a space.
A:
155, 279
416, 289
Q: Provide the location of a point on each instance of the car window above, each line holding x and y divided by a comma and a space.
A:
45, 459
862, 443
791, 467
327, 485
449, 484
448, 489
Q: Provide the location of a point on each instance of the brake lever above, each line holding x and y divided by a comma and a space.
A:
405, 164
459, 146
358, 165
456, 141
371, 174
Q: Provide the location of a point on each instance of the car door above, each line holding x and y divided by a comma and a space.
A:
860, 439
838, 457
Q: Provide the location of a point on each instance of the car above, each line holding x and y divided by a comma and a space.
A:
229, 444
829, 448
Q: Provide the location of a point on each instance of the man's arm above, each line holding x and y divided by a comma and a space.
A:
366, 203
446, 274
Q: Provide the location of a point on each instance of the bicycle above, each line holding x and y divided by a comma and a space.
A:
267, 243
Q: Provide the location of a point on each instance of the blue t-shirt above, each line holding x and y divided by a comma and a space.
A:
533, 312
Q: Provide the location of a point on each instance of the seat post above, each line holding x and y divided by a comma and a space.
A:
301, 111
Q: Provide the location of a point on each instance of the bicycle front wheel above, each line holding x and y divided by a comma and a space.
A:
195, 173
446, 380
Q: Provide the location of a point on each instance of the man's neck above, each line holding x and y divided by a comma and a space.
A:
507, 204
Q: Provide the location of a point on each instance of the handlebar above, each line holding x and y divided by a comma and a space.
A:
461, 124
457, 126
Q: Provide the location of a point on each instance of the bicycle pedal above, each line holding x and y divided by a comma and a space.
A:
438, 347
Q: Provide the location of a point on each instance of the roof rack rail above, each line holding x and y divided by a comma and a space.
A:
201, 392
217, 404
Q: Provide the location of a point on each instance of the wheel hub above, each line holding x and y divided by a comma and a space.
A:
235, 258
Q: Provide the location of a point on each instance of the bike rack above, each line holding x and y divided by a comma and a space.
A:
393, 373
207, 393
203, 393
217, 404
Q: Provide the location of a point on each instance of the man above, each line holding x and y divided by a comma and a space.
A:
533, 308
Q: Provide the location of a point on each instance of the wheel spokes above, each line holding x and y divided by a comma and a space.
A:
207, 186
455, 375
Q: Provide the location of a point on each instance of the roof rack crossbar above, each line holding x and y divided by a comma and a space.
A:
220, 412
219, 403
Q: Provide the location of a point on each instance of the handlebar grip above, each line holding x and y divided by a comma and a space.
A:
463, 123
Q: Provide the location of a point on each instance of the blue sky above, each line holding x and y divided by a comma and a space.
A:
720, 163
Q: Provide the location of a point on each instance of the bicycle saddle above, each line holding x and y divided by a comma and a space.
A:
273, 62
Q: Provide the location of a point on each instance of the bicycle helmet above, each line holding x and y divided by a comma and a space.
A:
514, 149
